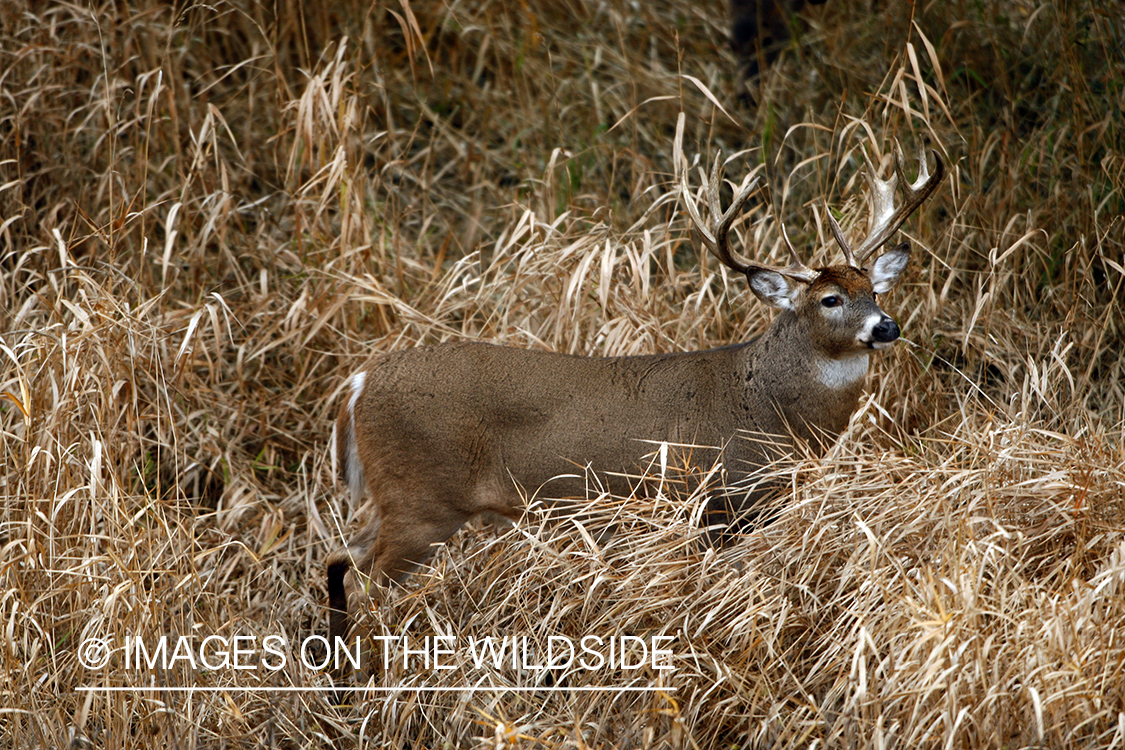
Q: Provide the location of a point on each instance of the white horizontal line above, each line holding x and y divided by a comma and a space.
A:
238, 689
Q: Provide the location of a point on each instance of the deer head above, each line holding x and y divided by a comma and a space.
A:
834, 306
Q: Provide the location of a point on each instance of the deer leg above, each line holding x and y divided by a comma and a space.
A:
404, 544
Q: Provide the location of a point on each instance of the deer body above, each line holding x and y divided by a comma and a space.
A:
436, 435
518, 421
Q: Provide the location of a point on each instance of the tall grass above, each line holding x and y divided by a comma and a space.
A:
211, 213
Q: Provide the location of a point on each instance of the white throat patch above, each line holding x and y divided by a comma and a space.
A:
838, 374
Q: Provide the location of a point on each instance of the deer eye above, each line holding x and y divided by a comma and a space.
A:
832, 300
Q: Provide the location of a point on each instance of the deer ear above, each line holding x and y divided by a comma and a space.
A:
889, 267
772, 288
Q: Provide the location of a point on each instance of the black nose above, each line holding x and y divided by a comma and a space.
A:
885, 330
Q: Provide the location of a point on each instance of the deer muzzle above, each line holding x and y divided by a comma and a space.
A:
884, 334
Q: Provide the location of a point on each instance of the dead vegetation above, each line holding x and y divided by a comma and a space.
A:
210, 214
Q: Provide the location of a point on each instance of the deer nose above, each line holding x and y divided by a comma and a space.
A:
885, 331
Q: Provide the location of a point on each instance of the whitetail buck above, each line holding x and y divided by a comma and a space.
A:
439, 434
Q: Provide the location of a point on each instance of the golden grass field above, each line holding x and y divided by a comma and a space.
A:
211, 214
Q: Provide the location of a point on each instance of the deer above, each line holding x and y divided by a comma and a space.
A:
436, 435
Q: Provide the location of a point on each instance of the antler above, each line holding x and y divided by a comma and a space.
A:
715, 236
885, 218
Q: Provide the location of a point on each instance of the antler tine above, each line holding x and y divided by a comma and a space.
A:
838, 234
885, 218
712, 187
796, 269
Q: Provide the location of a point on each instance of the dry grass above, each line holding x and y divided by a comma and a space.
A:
210, 214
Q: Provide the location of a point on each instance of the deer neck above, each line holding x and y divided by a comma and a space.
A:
801, 386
